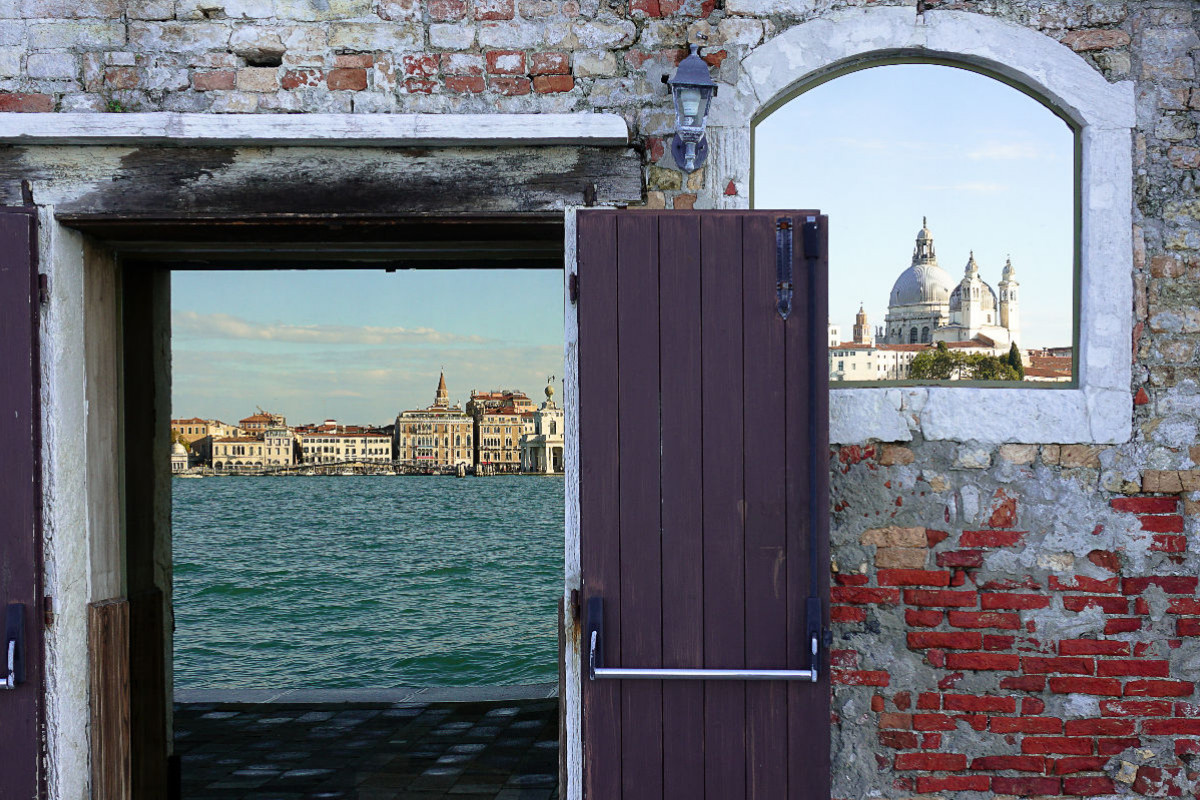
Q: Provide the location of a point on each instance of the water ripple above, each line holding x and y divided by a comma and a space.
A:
360, 581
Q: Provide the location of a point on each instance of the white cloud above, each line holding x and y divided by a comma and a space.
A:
193, 325
1004, 151
353, 384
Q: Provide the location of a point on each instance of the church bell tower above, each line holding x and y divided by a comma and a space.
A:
1010, 315
443, 396
862, 330
971, 297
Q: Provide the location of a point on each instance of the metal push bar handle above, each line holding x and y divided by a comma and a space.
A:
659, 674
14, 647
596, 668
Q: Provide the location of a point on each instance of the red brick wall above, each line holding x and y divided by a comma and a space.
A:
988, 668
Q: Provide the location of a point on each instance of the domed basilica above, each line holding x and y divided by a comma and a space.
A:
926, 305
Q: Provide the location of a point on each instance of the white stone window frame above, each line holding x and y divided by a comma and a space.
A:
1099, 409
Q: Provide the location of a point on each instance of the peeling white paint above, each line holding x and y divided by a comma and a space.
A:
66, 550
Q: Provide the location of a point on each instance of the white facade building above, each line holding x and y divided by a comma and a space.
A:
333, 448
179, 457
851, 361
926, 305
542, 448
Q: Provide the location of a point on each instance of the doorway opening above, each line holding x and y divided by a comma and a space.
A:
422, 731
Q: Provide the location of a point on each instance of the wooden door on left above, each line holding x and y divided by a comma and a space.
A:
21, 707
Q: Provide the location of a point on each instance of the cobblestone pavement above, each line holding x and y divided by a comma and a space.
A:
379, 751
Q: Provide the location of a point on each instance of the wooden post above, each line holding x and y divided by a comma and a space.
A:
108, 655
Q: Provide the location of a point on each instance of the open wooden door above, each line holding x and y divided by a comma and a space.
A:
704, 504
21, 655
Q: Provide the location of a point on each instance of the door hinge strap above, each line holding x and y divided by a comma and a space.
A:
783, 266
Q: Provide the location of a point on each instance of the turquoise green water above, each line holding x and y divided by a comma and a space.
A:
366, 581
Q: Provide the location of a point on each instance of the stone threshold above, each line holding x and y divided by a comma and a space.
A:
416, 695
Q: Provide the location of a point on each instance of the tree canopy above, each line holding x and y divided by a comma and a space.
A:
942, 364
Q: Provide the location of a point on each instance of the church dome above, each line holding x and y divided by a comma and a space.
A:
921, 283
924, 281
178, 449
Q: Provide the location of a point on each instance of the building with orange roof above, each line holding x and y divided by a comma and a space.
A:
257, 423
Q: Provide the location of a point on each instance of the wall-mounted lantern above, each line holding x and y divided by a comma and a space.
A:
692, 89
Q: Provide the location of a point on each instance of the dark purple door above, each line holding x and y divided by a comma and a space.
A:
703, 477
20, 503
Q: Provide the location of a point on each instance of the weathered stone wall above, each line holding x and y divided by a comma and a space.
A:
1011, 620
1005, 624
1023, 620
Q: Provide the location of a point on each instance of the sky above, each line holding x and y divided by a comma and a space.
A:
878, 149
358, 345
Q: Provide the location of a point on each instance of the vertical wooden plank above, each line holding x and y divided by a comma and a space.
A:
599, 491
766, 564
682, 528
807, 436
21, 709
640, 503
147, 515
724, 542
108, 655
562, 699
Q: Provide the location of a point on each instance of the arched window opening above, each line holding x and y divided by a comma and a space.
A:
964, 169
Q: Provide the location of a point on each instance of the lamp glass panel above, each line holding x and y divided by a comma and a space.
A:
689, 104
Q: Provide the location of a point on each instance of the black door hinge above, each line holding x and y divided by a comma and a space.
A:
48, 610
573, 287
43, 288
575, 605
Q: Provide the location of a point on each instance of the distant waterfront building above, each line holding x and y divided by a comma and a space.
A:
194, 428
1052, 365
260, 422
500, 432
850, 361
542, 448
441, 435
483, 402
238, 454
338, 448
279, 447
926, 306
179, 457
197, 436
189, 430
865, 359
